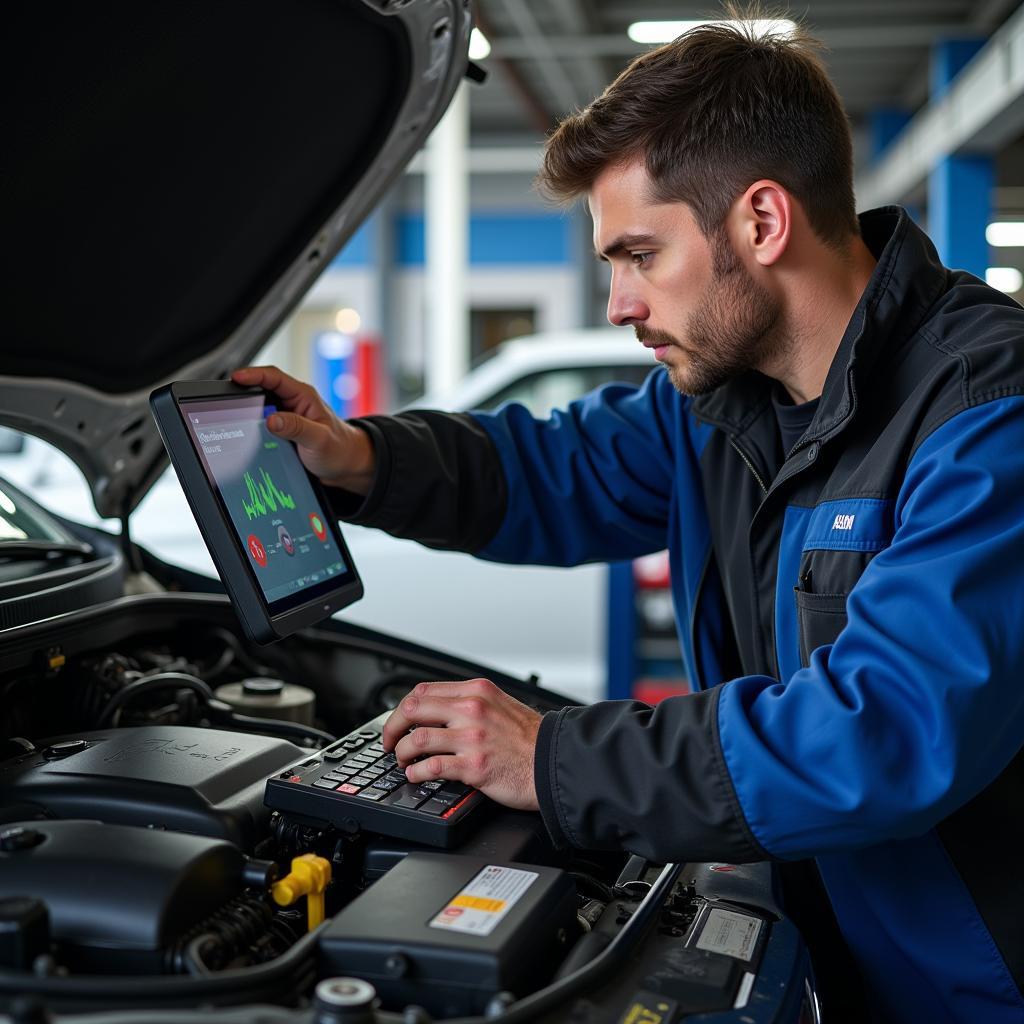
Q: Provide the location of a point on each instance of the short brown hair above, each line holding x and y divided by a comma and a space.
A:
710, 113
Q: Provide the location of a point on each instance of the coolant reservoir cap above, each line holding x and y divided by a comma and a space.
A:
345, 1001
270, 698
65, 749
259, 687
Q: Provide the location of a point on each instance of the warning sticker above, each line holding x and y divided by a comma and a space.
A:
479, 907
730, 933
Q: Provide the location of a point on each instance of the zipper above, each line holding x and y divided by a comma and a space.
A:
693, 621
749, 464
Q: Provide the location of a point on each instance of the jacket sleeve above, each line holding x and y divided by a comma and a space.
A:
594, 482
914, 709
438, 481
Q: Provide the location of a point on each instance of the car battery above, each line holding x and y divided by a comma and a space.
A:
447, 932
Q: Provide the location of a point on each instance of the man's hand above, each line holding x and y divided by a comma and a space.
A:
469, 731
340, 454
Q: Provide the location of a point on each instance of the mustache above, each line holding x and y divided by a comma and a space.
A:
651, 336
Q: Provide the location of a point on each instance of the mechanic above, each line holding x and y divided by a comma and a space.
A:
835, 461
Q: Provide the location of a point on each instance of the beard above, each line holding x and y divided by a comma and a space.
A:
732, 330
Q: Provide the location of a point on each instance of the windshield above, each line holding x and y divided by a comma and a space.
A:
163, 523
22, 520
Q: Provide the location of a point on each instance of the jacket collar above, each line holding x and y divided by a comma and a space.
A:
907, 280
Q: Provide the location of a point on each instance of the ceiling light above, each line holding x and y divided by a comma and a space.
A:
1005, 233
666, 31
479, 47
347, 321
1006, 279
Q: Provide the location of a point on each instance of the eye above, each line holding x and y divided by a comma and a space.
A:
641, 259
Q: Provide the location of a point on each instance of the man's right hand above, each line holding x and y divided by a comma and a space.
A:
338, 453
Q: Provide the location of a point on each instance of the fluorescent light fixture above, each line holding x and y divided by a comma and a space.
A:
479, 47
1005, 233
1006, 279
666, 31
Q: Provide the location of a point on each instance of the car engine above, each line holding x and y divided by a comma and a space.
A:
142, 870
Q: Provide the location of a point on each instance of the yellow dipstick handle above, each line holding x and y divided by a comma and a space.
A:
308, 877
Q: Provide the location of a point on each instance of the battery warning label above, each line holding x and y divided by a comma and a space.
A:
479, 907
730, 933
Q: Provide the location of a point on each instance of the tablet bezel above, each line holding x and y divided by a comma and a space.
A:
263, 621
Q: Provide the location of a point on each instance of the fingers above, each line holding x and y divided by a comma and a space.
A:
271, 378
470, 731
438, 752
304, 432
425, 705
440, 766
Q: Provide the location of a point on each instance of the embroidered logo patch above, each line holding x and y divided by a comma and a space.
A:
843, 522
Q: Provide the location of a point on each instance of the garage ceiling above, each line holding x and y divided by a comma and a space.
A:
551, 56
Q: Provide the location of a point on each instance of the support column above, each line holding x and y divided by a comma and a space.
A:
959, 187
884, 124
446, 188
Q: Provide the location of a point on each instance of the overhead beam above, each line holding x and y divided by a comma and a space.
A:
536, 111
535, 45
620, 45
577, 22
982, 111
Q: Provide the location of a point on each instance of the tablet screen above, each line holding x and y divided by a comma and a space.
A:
263, 487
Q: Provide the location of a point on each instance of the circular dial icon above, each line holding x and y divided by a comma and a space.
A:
257, 550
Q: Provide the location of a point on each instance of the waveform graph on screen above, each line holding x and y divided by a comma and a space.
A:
264, 497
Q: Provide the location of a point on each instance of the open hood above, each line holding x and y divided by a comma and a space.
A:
176, 176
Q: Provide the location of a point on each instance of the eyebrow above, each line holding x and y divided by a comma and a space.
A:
623, 242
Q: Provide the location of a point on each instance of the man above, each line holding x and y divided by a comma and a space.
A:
835, 461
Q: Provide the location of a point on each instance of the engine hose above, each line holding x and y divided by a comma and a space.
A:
269, 726
159, 681
287, 976
221, 937
294, 837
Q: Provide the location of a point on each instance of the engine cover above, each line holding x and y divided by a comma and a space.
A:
118, 896
206, 781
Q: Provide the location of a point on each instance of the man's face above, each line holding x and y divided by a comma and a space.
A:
688, 297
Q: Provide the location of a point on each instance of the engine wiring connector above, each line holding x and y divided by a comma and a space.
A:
308, 877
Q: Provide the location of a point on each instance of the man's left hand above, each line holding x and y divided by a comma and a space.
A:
469, 731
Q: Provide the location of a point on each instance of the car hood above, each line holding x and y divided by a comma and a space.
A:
176, 177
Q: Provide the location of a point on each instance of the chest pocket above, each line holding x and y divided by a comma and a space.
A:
835, 541
820, 619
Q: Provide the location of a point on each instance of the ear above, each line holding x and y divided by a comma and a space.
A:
763, 217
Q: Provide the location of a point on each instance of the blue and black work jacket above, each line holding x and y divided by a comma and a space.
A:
851, 614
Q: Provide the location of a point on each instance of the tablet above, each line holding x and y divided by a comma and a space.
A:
263, 515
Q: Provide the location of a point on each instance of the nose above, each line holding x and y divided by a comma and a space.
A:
625, 307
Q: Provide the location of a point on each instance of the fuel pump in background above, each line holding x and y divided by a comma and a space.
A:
347, 371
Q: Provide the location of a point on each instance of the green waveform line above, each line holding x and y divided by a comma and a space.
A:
264, 497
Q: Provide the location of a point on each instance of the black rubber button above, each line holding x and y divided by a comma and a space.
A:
434, 807
372, 794
408, 796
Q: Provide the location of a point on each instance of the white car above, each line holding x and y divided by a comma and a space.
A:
524, 619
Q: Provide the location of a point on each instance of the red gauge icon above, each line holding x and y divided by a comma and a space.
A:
257, 550
318, 526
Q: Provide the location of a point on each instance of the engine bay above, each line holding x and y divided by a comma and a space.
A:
141, 867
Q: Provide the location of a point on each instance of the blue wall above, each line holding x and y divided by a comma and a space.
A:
505, 237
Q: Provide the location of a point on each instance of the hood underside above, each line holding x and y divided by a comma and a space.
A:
176, 177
